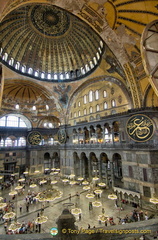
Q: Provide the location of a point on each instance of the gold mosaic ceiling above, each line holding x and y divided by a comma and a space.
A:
49, 43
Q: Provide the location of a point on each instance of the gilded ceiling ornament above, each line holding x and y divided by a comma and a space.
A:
49, 20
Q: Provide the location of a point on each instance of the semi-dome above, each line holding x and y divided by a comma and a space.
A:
49, 43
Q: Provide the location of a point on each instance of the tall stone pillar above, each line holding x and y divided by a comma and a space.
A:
112, 173
1, 85
106, 172
81, 168
89, 169
100, 170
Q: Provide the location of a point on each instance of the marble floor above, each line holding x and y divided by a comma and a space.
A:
54, 209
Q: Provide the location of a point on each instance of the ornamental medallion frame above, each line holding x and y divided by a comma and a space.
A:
140, 128
34, 138
62, 136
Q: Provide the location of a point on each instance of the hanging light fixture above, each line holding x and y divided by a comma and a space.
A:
154, 200
102, 218
18, 187
85, 183
96, 204
14, 226
76, 211
41, 219
33, 185
86, 187
112, 196
90, 195
101, 184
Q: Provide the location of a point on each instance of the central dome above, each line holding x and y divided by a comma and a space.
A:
49, 43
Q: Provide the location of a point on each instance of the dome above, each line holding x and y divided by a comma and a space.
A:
48, 43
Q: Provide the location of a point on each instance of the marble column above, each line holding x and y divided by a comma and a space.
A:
112, 173
106, 172
89, 169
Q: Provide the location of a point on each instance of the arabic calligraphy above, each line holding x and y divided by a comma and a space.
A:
34, 138
62, 136
140, 128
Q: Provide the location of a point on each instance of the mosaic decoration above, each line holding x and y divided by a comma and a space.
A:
140, 128
114, 66
62, 91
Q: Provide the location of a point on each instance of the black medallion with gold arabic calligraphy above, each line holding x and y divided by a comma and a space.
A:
34, 138
140, 128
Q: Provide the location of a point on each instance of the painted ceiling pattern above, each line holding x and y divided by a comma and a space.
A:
48, 43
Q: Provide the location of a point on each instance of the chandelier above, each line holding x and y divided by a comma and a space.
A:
48, 195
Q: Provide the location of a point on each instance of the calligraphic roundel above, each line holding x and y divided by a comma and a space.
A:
34, 138
140, 128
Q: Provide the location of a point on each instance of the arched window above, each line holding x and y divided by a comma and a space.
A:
17, 65
104, 93
87, 67
82, 70
30, 71
5, 57
101, 44
95, 60
50, 141
55, 76
22, 141
36, 73
11, 61
91, 64
8, 142
98, 56
50, 125
34, 108
85, 111
97, 108
90, 96
79, 104
47, 107
85, 99
98, 116
90, 110
17, 106
105, 105
74, 114
79, 113
16, 120
1, 143
42, 75
113, 103
23, 69
67, 75
49, 76
99, 49
96, 95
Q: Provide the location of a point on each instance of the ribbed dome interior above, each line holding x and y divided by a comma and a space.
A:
49, 43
